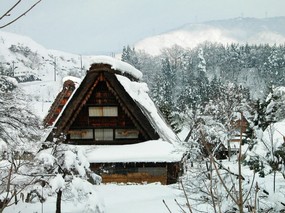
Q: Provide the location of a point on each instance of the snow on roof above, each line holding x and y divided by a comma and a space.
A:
65, 105
72, 78
117, 65
149, 151
138, 92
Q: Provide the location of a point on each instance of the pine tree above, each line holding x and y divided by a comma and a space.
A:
129, 55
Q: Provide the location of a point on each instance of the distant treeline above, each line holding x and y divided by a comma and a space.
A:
181, 77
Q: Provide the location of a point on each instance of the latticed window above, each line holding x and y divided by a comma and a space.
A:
103, 111
81, 134
126, 133
103, 134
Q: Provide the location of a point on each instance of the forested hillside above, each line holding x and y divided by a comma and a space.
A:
182, 78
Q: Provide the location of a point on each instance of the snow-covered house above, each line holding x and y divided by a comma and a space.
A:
125, 137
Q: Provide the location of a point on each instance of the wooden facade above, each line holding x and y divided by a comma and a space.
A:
100, 88
104, 120
165, 173
101, 112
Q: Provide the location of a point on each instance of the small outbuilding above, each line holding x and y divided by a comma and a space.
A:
112, 116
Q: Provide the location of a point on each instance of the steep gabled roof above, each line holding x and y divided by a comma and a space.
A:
123, 80
69, 85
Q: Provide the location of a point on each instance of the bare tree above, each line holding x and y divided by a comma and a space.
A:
4, 22
14, 179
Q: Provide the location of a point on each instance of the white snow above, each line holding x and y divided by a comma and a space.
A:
111, 198
150, 151
138, 92
57, 183
154, 45
140, 198
244, 30
116, 65
76, 80
270, 139
46, 158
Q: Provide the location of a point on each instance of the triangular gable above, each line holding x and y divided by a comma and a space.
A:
82, 94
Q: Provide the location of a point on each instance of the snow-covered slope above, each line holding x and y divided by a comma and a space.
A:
22, 57
241, 30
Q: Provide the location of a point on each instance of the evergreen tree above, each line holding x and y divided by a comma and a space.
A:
129, 55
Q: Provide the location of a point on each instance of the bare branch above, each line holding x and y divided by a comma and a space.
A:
20, 16
188, 203
166, 206
251, 186
178, 204
12, 8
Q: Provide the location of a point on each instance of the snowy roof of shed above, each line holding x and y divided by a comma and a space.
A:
149, 151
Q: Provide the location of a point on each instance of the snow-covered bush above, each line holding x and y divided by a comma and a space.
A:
70, 171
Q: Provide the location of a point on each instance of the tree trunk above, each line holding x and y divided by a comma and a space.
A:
240, 200
58, 202
274, 181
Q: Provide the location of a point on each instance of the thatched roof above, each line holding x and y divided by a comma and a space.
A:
123, 81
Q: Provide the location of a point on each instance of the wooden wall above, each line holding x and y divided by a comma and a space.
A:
141, 177
165, 173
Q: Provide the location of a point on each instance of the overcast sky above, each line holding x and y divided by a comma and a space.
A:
104, 26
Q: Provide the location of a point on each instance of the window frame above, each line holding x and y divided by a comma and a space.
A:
80, 133
103, 111
103, 137
127, 134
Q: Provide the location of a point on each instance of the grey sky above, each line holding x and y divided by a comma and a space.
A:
103, 26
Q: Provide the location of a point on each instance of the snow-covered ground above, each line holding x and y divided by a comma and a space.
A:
116, 199
139, 198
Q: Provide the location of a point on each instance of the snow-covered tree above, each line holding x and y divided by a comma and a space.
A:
129, 55
70, 172
201, 61
18, 124
19, 138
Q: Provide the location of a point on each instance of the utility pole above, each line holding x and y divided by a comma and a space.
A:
81, 66
13, 68
54, 63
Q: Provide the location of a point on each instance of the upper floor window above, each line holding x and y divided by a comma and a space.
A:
103, 111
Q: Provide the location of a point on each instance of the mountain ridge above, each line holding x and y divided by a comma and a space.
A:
236, 30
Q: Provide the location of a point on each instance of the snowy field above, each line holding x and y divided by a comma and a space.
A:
139, 198
116, 199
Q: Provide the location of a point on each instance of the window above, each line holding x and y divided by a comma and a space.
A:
105, 111
81, 134
126, 133
103, 134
